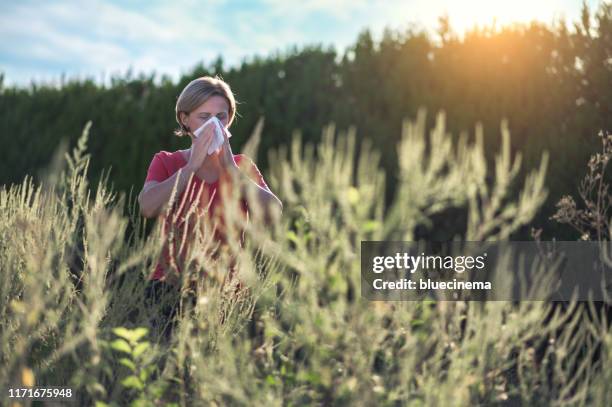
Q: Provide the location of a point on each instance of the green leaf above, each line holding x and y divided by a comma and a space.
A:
122, 332
140, 348
132, 335
146, 372
128, 363
121, 346
144, 375
311, 377
415, 323
370, 226
100, 404
140, 333
108, 370
157, 389
132, 382
141, 402
292, 236
308, 236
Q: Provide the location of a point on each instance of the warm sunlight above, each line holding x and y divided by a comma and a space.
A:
465, 14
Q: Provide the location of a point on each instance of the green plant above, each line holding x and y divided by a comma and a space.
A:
134, 354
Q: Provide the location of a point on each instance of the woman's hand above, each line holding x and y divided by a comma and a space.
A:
226, 156
199, 147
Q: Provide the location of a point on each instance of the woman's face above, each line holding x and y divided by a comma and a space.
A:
214, 106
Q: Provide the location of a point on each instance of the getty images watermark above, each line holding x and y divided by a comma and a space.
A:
480, 271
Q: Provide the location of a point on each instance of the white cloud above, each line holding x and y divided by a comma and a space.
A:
100, 37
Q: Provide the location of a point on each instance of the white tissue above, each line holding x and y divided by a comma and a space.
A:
218, 140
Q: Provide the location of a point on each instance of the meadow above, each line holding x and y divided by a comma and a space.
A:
76, 309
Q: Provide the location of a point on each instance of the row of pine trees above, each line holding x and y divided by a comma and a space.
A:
553, 82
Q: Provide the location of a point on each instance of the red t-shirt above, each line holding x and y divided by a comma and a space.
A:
163, 166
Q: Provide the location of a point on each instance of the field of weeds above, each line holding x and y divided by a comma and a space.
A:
77, 311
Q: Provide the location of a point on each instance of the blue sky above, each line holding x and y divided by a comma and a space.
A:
40, 40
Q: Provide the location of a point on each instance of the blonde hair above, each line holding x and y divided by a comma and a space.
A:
199, 91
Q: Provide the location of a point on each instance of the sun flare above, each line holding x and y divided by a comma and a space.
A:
468, 13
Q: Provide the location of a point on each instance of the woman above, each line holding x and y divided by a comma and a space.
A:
197, 175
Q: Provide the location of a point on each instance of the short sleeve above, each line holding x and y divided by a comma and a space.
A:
253, 171
157, 170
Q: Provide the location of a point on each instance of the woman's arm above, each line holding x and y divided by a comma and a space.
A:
155, 195
265, 197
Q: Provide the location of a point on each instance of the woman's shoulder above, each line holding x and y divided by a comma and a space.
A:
171, 156
165, 163
164, 153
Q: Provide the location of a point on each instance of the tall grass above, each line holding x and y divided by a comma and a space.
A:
296, 332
